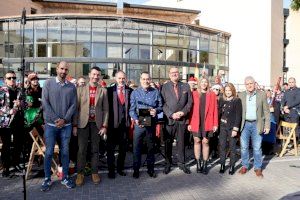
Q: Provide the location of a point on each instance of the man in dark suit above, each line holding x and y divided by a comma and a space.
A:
178, 101
118, 123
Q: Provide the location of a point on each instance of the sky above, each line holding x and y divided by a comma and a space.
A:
286, 3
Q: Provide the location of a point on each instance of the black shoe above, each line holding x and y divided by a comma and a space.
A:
231, 170
199, 166
121, 173
167, 169
152, 173
111, 175
5, 173
205, 170
185, 169
136, 174
222, 169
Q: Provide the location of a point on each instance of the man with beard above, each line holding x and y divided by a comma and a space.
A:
91, 119
59, 106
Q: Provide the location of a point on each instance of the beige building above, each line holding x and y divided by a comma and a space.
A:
293, 48
130, 37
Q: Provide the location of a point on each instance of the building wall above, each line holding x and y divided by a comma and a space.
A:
252, 25
293, 48
14, 7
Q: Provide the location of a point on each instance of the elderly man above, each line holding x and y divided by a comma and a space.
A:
59, 106
118, 124
255, 122
177, 98
142, 99
91, 120
291, 103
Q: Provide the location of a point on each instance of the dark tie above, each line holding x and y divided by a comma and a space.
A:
176, 90
121, 95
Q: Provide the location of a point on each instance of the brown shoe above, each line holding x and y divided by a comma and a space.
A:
96, 178
79, 179
259, 173
243, 170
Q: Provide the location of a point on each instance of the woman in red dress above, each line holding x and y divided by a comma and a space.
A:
203, 122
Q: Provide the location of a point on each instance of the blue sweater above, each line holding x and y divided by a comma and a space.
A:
59, 101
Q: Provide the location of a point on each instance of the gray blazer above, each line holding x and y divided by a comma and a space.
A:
262, 111
171, 104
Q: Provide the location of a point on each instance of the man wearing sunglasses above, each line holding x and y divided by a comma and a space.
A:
10, 116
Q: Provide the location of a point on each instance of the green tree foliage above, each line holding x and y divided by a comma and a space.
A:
295, 4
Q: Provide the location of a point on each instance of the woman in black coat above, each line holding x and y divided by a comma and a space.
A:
230, 121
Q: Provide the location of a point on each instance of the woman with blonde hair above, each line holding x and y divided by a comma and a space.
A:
230, 121
203, 122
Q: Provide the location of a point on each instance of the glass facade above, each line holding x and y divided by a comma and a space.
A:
112, 44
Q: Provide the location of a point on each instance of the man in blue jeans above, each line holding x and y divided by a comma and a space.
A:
144, 97
255, 122
59, 104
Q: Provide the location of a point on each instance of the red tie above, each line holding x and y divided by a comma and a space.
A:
176, 90
121, 95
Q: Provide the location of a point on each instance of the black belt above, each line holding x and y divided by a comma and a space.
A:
250, 121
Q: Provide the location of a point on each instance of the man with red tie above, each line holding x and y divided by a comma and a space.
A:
118, 124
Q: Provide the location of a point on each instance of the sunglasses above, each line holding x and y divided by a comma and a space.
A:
11, 78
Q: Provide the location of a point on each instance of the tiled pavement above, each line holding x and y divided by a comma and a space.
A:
282, 178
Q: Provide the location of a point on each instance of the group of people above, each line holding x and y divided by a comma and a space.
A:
92, 111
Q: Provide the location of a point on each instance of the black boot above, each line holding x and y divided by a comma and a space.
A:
199, 166
204, 166
231, 170
222, 169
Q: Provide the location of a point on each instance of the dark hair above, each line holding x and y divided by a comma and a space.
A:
285, 83
95, 68
120, 71
9, 72
144, 72
232, 88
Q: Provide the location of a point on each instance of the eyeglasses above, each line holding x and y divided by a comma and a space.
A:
11, 78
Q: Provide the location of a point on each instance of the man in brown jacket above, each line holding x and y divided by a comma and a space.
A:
91, 119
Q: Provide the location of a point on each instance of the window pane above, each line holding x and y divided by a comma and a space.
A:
3, 32
17, 50
114, 51
83, 50
29, 32
144, 52
222, 60
145, 37
68, 50
54, 29
172, 39
204, 42
213, 59
158, 71
82, 69
41, 50
40, 27
68, 31
159, 38
99, 50
41, 68
184, 41
222, 48
130, 36
194, 43
83, 30
14, 32
130, 51
56, 49
171, 54
203, 57
192, 56
159, 53
99, 31
213, 46
2, 52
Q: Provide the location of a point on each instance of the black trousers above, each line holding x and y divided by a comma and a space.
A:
117, 136
225, 134
11, 156
293, 117
176, 131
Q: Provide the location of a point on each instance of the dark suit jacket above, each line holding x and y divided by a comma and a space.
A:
113, 106
171, 104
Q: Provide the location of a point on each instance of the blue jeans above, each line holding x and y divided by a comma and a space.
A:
51, 133
138, 136
250, 130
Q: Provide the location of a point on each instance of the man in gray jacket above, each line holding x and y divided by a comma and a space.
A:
59, 105
255, 122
